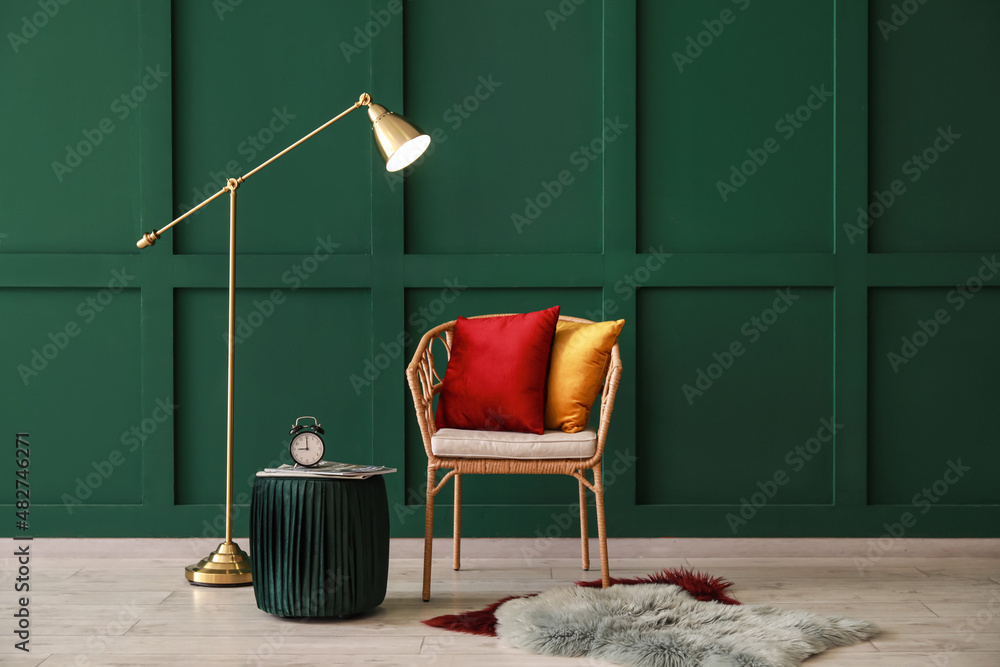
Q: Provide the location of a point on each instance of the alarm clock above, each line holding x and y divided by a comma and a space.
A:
307, 446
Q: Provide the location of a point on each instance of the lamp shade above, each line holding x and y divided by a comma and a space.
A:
399, 141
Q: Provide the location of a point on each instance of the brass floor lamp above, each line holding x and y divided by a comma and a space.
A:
400, 143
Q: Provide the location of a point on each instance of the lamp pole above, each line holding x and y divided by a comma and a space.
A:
231, 378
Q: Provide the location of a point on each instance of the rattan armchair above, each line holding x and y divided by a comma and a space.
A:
425, 383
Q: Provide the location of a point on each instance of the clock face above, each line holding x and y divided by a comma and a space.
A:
306, 449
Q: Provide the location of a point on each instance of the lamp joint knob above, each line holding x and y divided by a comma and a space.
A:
148, 239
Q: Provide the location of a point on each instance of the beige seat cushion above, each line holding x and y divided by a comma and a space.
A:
461, 443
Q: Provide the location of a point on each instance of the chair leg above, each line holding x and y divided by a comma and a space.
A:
584, 533
428, 534
457, 555
602, 531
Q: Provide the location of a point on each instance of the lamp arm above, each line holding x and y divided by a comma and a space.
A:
151, 238
365, 99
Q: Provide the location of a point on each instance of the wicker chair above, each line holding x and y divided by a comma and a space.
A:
425, 383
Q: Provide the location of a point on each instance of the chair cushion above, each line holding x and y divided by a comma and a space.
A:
577, 368
462, 443
495, 380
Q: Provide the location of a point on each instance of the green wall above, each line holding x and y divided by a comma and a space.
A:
700, 168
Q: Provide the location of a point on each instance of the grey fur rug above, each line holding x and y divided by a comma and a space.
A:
660, 625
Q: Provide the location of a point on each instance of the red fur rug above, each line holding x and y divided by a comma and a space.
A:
700, 586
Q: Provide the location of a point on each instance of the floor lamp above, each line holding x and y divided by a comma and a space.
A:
400, 143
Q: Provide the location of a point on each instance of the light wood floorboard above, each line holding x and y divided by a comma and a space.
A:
138, 612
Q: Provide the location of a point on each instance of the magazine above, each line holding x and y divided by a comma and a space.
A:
326, 469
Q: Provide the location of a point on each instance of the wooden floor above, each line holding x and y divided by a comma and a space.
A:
90, 605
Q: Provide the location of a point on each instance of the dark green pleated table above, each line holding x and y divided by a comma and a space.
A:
320, 546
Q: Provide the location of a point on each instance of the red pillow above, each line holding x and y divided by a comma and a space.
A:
496, 376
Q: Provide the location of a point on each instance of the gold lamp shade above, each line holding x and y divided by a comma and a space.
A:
399, 141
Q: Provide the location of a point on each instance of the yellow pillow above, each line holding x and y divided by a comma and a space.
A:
577, 367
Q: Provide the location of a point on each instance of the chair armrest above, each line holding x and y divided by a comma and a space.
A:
425, 382
608, 394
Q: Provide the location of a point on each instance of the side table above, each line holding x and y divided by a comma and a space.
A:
320, 547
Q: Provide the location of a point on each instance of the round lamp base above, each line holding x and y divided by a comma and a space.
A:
228, 565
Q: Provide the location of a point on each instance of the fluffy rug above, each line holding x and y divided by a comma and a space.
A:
660, 625
701, 586
650, 623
